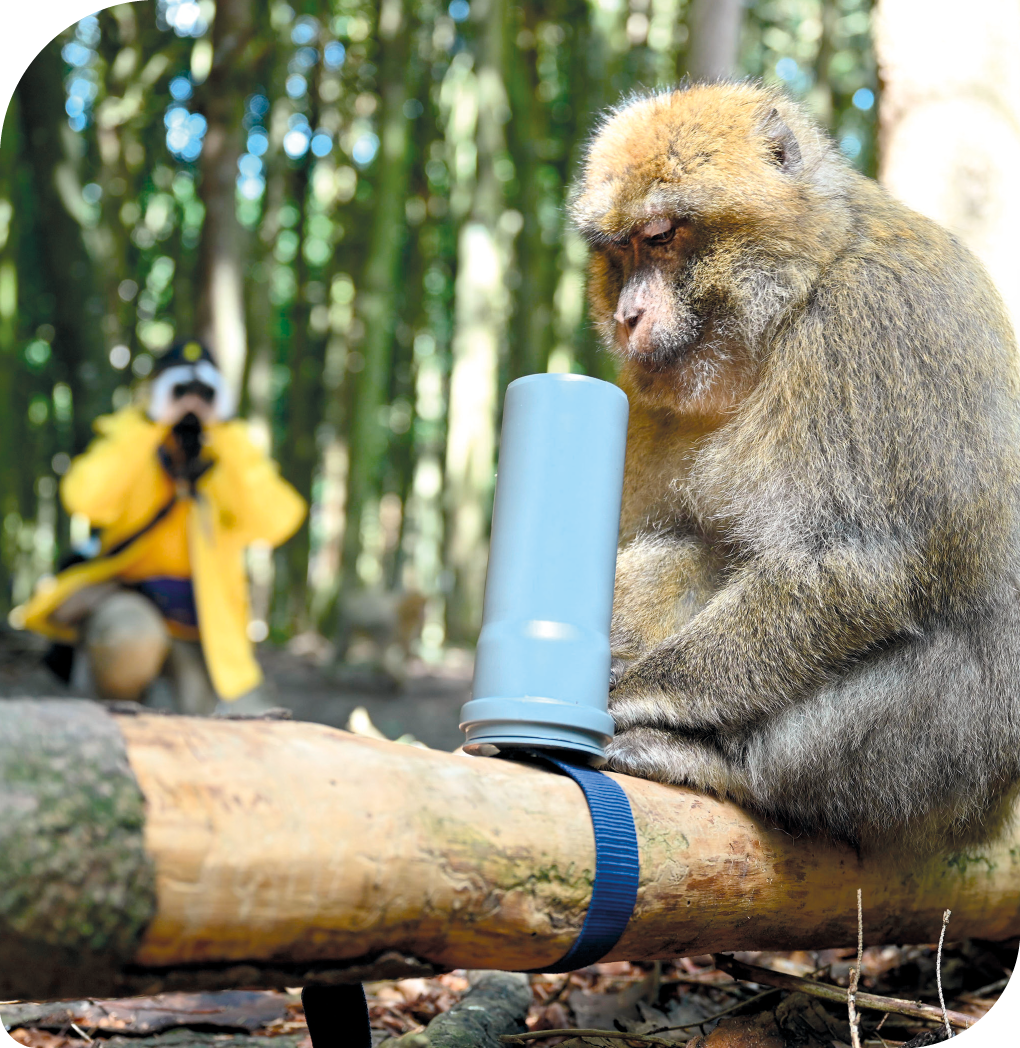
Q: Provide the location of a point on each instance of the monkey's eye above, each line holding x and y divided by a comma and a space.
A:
662, 238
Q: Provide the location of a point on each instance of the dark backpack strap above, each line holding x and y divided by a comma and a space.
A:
161, 514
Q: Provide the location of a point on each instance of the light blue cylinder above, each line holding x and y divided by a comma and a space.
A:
542, 662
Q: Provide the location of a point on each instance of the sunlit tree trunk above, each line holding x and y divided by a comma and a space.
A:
821, 99
379, 293
714, 38
480, 314
949, 137
531, 330
222, 251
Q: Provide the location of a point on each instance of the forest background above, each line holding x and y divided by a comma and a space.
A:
360, 205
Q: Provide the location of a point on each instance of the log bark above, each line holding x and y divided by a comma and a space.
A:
285, 853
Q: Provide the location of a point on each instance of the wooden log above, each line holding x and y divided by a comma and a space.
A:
278, 853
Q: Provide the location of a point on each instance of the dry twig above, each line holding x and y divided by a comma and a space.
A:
616, 1035
938, 970
645, 1038
855, 974
878, 1028
871, 1001
719, 1015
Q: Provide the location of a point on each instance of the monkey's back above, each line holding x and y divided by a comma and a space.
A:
888, 409
886, 431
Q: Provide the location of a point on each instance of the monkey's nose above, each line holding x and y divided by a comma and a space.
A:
628, 318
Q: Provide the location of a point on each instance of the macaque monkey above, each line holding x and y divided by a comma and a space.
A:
377, 633
817, 608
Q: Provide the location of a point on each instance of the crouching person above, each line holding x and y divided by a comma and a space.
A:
177, 492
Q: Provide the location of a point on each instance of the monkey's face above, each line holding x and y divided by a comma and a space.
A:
702, 209
639, 279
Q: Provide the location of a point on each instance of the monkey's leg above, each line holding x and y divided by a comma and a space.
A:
662, 582
916, 741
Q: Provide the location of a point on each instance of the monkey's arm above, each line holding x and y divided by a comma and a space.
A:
680, 570
777, 630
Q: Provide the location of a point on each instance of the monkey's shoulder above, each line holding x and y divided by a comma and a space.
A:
896, 248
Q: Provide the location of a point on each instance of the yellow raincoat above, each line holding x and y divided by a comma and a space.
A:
120, 484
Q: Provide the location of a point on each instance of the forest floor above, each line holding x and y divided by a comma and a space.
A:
667, 1002
688, 1001
427, 707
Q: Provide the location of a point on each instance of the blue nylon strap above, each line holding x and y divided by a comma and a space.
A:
617, 865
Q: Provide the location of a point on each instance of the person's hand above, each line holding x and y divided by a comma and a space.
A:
168, 409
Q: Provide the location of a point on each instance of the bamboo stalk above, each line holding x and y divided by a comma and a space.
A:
283, 853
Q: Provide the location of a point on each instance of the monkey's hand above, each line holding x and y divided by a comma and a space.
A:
643, 693
654, 740
617, 668
651, 753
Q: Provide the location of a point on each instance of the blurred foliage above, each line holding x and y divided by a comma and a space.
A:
400, 206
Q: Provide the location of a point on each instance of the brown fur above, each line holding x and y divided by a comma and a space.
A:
816, 609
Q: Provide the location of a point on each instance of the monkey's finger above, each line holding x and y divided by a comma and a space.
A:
617, 668
651, 753
632, 707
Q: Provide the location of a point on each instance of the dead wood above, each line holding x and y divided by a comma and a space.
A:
913, 1009
496, 1005
274, 853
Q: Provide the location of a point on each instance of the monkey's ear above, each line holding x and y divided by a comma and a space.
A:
783, 148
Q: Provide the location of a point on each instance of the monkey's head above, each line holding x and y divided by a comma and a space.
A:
709, 211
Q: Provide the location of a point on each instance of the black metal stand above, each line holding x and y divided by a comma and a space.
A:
337, 1016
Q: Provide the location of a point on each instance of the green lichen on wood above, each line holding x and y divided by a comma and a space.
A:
496, 1004
76, 886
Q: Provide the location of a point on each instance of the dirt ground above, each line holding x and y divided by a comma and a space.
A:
427, 706
688, 1001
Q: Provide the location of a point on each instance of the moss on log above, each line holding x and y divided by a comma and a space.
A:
77, 888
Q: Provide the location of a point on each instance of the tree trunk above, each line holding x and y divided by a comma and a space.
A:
51, 152
379, 295
286, 853
11, 466
221, 312
481, 313
714, 47
949, 136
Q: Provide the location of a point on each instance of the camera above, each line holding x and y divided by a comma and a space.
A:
195, 386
